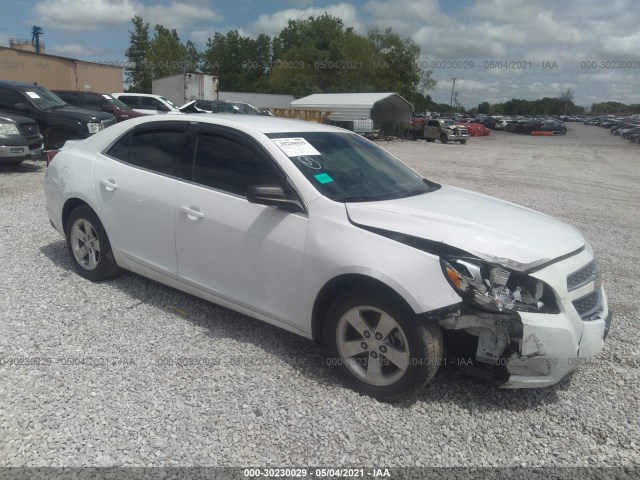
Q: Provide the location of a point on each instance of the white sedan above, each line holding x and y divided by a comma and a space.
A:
321, 232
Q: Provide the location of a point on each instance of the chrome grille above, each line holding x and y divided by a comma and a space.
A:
583, 276
589, 306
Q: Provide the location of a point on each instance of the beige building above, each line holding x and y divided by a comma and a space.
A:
59, 73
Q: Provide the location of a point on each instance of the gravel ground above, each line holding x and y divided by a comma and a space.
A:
253, 395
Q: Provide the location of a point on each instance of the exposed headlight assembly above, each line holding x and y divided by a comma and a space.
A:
493, 287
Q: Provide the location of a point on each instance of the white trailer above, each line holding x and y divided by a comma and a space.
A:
184, 87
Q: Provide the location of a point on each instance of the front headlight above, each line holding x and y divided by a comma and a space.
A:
94, 127
496, 288
9, 129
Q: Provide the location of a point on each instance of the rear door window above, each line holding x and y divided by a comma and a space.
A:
153, 147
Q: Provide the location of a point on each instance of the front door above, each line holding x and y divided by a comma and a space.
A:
246, 253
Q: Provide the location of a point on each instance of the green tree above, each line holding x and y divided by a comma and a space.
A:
311, 56
395, 60
484, 108
138, 75
241, 63
167, 55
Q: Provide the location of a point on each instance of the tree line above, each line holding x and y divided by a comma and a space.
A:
315, 55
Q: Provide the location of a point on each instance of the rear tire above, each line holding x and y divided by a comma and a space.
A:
379, 346
89, 246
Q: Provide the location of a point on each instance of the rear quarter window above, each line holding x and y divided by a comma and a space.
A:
155, 150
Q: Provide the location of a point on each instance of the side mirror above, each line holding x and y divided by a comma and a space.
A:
272, 196
22, 107
162, 108
107, 108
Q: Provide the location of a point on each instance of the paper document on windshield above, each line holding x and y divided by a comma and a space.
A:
295, 147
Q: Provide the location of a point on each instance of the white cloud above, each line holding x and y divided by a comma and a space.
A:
452, 43
178, 15
272, 24
96, 14
70, 50
621, 47
85, 14
400, 14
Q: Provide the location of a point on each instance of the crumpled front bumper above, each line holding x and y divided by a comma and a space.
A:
553, 345
528, 349
551, 348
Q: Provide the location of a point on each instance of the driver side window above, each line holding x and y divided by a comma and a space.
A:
226, 164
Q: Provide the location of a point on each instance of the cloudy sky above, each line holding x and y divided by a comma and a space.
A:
592, 46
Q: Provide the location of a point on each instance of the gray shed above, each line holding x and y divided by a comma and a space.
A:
387, 111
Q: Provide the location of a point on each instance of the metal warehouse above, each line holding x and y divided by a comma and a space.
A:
59, 73
386, 111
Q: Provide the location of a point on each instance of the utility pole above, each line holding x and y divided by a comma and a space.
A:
452, 90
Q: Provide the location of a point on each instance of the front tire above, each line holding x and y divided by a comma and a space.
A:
89, 246
462, 142
379, 346
443, 138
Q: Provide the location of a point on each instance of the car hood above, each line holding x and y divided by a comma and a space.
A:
492, 229
80, 114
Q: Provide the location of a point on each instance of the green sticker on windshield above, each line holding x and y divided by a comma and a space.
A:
324, 178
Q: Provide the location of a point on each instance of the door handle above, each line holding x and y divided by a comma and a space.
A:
191, 213
109, 185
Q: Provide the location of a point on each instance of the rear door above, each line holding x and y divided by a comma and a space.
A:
246, 253
136, 184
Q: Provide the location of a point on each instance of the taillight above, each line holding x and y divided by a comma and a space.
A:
50, 155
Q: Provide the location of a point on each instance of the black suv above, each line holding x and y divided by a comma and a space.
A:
57, 120
20, 139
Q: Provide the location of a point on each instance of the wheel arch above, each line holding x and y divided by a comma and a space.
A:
340, 284
70, 205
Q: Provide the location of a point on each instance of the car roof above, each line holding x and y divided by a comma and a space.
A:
261, 123
137, 94
21, 85
79, 92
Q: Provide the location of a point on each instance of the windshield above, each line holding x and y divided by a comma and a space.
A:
118, 103
43, 98
448, 123
348, 168
169, 102
248, 109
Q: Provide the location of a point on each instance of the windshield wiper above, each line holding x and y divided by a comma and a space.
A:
56, 107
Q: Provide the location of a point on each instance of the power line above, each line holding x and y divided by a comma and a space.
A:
452, 89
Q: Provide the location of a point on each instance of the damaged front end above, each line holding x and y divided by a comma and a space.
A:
489, 328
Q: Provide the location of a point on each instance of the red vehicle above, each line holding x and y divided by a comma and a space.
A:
102, 102
477, 129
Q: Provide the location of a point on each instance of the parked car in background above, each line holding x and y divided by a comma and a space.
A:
57, 120
100, 102
445, 130
631, 131
558, 128
477, 129
20, 139
323, 233
147, 103
221, 106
